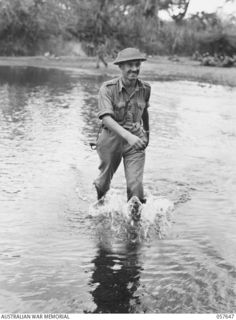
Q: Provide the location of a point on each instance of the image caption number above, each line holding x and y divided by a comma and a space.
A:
225, 316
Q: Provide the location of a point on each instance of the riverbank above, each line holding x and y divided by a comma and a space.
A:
156, 68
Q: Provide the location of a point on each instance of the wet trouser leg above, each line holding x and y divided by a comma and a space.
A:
109, 149
134, 168
97, 62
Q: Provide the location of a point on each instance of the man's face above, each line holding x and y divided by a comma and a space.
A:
130, 69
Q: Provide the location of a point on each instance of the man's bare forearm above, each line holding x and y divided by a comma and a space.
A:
145, 118
111, 124
132, 140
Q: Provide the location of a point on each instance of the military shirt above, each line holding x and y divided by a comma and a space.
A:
126, 109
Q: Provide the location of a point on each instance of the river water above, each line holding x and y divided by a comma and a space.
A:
51, 259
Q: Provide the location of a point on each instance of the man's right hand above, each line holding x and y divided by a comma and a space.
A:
135, 142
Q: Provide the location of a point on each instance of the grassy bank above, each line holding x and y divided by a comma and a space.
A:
156, 68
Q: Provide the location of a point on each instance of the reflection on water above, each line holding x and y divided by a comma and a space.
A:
51, 259
116, 279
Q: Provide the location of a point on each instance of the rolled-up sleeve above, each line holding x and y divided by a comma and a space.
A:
105, 102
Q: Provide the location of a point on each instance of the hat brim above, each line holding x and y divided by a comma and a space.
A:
119, 61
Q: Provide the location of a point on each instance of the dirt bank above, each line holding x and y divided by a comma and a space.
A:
156, 68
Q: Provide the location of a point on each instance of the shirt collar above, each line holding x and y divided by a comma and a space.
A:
139, 85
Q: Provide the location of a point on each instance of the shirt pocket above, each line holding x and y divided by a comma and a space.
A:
119, 109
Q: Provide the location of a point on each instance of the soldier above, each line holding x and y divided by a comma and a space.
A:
123, 109
101, 52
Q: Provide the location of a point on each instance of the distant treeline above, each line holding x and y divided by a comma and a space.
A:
30, 27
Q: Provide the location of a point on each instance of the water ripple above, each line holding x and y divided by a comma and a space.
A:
52, 259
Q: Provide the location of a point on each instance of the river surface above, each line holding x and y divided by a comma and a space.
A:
51, 259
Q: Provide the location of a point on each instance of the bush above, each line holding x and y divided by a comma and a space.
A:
35, 26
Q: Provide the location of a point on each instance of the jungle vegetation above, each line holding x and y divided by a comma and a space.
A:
30, 27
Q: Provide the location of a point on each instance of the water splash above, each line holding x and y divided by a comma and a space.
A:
116, 215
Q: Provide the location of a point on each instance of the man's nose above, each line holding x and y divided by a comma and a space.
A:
134, 68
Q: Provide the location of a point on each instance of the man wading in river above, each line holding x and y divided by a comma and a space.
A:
123, 109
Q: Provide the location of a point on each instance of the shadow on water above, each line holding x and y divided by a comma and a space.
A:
115, 280
31, 77
25, 82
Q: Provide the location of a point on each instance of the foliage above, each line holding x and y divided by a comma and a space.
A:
27, 25
25, 22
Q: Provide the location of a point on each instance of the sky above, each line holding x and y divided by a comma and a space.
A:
210, 6
207, 6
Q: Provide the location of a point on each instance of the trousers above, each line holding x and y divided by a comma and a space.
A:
101, 58
111, 149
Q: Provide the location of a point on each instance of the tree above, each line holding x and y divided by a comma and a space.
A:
176, 8
25, 22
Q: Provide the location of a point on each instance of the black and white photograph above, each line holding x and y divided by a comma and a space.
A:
117, 158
